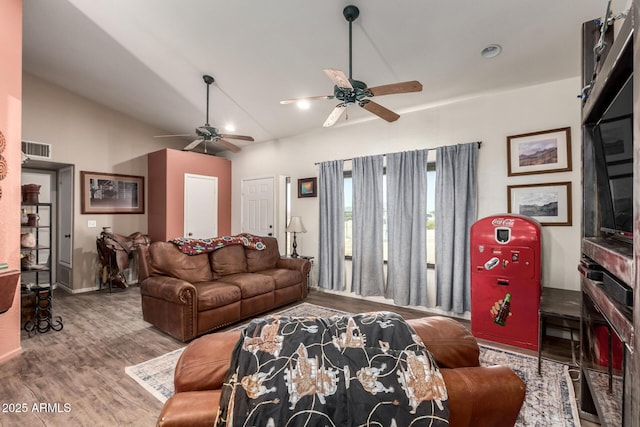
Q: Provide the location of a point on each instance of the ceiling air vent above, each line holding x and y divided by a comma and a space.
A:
36, 150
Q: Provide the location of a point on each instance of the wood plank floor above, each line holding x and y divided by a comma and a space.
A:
78, 372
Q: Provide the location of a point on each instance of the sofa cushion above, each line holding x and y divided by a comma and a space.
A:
250, 284
283, 278
264, 259
216, 294
228, 260
168, 260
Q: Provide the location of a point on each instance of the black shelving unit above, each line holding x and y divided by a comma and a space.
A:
38, 273
36, 278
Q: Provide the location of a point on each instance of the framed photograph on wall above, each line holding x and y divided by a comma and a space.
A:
110, 193
550, 203
539, 152
307, 187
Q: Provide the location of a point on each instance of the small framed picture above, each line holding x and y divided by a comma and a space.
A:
550, 204
307, 187
539, 152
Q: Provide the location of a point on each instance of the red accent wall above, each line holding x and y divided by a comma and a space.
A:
166, 169
10, 125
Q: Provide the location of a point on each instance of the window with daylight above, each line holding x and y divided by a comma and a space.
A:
431, 208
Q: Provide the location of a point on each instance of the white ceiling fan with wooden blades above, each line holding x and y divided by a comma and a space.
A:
208, 133
350, 91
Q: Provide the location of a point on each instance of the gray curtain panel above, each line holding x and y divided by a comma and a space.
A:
456, 203
407, 226
331, 239
367, 226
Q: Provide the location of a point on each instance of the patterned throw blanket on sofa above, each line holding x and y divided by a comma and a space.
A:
198, 246
354, 370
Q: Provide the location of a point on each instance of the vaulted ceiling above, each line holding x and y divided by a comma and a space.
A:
146, 58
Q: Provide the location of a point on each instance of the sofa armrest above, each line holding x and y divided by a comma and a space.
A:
169, 289
144, 263
295, 264
204, 363
451, 344
299, 264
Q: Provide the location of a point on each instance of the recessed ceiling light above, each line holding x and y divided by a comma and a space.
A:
230, 128
491, 51
303, 104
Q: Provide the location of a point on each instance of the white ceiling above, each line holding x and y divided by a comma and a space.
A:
146, 58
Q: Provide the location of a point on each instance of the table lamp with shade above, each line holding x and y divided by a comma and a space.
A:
295, 226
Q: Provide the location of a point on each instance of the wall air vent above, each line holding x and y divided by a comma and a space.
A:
36, 150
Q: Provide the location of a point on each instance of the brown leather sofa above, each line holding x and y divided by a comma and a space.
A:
478, 396
189, 295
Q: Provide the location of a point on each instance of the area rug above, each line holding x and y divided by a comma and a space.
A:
550, 399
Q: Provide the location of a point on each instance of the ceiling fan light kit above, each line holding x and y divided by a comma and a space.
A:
350, 91
209, 134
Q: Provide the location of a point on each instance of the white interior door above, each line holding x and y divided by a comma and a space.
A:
257, 206
200, 206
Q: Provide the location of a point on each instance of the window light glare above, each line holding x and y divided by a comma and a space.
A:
303, 104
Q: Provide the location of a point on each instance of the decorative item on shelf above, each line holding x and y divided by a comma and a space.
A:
295, 226
32, 219
30, 193
24, 218
28, 240
27, 261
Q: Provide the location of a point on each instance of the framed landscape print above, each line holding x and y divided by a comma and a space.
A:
539, 152
550, 203
110, 193
307, 187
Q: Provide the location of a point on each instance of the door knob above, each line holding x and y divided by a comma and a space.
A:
67, 236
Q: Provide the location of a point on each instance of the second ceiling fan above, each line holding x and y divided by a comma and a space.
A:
209, 134
350, 91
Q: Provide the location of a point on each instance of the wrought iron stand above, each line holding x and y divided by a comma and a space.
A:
44, 319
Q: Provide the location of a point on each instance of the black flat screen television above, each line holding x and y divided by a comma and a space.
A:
613, 145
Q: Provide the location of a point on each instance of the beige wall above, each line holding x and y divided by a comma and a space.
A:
489, 118
92, 138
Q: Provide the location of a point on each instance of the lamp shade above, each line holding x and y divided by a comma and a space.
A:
296, 225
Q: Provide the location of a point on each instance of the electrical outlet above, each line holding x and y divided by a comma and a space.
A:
91, 224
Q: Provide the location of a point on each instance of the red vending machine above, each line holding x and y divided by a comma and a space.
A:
505, 280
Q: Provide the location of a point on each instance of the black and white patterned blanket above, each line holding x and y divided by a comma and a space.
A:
354, 370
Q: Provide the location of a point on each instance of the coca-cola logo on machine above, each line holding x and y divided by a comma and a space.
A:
503, 222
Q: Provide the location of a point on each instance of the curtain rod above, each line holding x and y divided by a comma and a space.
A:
428, 149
